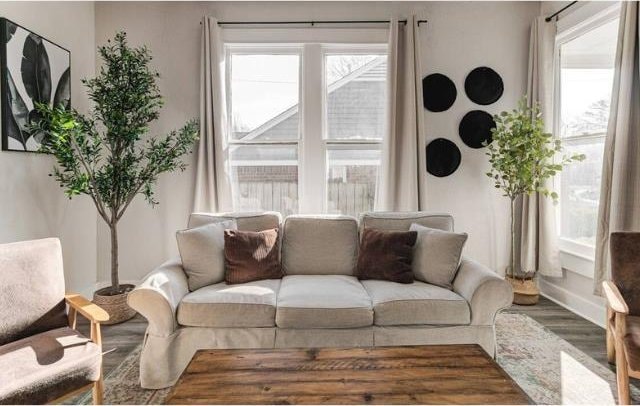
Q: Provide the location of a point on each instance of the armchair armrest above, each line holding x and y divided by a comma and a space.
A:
486, 291
158, 296
82, 305
94, 313
614, 298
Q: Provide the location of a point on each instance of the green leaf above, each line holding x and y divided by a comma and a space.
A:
522, 154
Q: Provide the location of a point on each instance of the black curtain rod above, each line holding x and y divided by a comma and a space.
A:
559, 11
312, 23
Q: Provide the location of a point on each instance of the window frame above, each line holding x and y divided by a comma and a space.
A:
575, 256
312, 143
337, 143
229, 142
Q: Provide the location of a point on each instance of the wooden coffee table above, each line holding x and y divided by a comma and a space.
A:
440, 374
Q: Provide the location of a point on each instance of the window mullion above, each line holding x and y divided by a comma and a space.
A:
312, 154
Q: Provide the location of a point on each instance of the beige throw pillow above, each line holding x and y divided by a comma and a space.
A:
436, 255
202, 253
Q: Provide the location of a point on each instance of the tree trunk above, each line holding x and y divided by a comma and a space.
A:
513, 238
115, 282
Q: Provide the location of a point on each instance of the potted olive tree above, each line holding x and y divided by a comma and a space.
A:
523, 157
107, 154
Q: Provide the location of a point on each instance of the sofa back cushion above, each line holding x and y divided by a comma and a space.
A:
401, 221
319, 245
259, 221
31, 288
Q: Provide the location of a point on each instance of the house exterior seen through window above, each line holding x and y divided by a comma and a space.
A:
586, 80
285, 134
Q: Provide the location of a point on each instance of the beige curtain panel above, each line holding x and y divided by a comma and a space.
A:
399, 176
212, 186
538, 245
620, 189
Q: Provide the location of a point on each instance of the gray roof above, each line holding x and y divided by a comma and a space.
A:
355, 108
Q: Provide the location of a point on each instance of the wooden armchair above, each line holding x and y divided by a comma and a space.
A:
623, 310
43, 359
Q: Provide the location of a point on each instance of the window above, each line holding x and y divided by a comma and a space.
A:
306, 126
586, 79
264, 136
355, 123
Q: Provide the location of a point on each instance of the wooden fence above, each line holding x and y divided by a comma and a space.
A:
344, 198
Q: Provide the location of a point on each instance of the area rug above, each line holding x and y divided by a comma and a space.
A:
547, 368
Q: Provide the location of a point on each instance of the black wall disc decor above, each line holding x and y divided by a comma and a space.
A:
443, 157
475, 128
438, 92
483, 86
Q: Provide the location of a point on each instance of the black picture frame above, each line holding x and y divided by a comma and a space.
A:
44, 75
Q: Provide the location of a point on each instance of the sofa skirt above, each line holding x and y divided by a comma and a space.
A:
163, 359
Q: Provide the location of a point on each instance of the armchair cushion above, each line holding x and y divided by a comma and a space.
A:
43, 367
31, 289
632, 342
625, 267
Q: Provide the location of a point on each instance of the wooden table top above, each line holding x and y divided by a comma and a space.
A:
436, 374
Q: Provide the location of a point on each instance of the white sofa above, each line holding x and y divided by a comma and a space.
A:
319, 303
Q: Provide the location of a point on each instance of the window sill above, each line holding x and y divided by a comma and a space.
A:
577, 263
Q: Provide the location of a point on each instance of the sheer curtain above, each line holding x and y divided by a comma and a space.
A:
538, 233
619, 208
212, 186
398, 187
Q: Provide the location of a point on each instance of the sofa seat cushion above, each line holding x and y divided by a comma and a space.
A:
323, 301
397, 304
43, 367
251, 304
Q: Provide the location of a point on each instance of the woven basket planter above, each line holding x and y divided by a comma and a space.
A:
116, 305
525, 291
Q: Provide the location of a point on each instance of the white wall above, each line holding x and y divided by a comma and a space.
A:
459, 37
31, 203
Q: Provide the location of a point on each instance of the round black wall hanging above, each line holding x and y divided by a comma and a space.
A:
443, 157
483, 86
475, 128
438, 92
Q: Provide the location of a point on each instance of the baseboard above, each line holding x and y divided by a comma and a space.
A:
584, 308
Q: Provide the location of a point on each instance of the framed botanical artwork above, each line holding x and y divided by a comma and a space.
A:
33, 70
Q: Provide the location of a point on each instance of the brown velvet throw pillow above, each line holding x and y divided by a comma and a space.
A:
251, 256
386, 255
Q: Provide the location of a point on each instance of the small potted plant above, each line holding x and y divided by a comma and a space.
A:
523, 157
108, 155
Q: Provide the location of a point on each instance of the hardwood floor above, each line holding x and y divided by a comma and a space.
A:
581, 333
120, 339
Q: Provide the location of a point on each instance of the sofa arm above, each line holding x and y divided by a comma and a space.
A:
158, 296
486, 291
